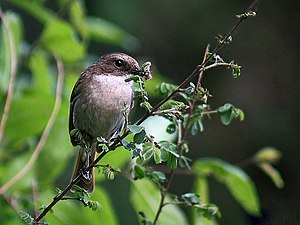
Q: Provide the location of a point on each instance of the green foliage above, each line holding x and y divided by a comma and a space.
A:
107, 32
236, 180
59, 38
35, 9
228, 112
145, 197
139, 133
26, 217
140, 93
77, 17
158, 147
108, 171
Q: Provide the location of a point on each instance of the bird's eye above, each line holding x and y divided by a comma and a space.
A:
119, 63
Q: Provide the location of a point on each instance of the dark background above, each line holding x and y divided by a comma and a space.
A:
174, 34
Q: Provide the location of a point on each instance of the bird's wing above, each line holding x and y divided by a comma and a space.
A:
74, 96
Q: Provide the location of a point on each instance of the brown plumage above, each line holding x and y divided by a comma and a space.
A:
99, 104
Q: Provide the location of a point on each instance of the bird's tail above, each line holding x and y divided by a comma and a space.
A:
84, 159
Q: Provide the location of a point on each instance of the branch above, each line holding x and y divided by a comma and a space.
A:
46, 131
163, 196
13, 70
181, 136
61, 195
198, 70
192, 104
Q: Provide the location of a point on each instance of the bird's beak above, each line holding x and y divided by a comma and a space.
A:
136, 71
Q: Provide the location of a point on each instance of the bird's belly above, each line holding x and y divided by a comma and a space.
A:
103, 111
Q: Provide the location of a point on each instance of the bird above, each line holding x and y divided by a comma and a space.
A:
99, 106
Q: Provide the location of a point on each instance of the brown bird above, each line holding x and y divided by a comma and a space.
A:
99, 106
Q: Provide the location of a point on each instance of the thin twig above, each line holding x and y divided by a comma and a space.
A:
163, 196
56, 199
13, 70
181, 137
192, 104
61, 195
218, 64
201, 72
46, 131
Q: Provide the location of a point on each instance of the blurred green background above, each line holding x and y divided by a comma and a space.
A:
173, 36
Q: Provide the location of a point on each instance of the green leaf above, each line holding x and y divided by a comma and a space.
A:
184, 162
167, 88
164, 155
94, 205
128, 145
138, 172
236, 180
274, 174
148, 150
172, 156
268, 154
29, 120
60, 38
108, 172
170, 148
236, 70
78, 18
131, 146
107, 32
172, 162
228, 112
145, 197
201, 186
135, 128
157, 155
191, 198
35, 9
157, 176
172, 104
26, 217
197, 126
139, 137
40, 68
32, 120
44, 170
9, 168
